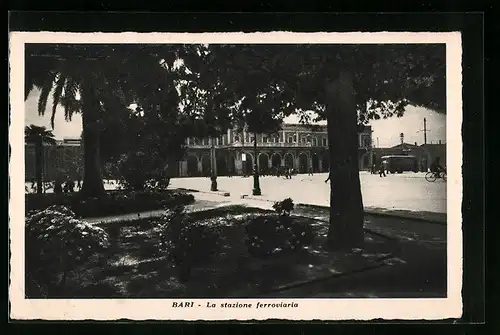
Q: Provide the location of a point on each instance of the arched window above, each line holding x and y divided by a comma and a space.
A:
236, 138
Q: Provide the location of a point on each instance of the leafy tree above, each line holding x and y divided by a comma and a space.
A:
251, 108
94, 80
155, 139
38, 136
346, 85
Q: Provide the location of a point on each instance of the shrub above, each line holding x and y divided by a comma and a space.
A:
262, 236
143, 171
187, 242
56, 242
268, 235
115, 202
284, 207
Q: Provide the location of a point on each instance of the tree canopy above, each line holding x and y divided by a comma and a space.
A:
292, 77
37, 134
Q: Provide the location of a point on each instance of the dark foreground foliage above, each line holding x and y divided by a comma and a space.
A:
56, 242
113, 203
233, 251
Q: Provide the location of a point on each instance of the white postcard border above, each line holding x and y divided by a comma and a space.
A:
308, 309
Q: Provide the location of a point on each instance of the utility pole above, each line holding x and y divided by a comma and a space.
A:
425, 130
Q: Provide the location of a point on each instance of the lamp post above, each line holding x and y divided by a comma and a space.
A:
256, 184
243, 163
213, 177
372, 146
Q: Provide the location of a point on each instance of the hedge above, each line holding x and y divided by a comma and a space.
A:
113, 203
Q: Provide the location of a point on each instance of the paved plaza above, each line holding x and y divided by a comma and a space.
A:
407, 191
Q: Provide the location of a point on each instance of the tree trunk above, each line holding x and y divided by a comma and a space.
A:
39, 165
346, 204
92, 177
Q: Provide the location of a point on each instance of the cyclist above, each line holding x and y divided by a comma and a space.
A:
436, 167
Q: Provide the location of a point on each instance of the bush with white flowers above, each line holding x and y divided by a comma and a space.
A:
56, 243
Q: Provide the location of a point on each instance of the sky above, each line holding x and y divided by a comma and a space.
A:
385, 132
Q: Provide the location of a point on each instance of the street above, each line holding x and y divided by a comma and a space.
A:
407, 191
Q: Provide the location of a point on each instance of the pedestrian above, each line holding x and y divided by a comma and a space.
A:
381, 171
70, 185
327, 179
78, 184
58, 186
66, 186
310, 171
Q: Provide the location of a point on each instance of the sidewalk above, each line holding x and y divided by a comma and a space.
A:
208, 200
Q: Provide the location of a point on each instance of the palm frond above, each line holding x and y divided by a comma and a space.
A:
69, 101
36, 70
38, 134
44, 94
56, 96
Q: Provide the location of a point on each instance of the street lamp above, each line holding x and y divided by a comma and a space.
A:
256, 184
213, 177
372, 146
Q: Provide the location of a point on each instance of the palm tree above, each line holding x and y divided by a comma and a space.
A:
93, 80
38, 136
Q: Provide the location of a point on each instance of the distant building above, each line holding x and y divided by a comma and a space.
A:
296, 146
64, 159
425, 153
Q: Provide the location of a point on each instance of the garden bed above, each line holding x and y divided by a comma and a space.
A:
134, 265
113, 203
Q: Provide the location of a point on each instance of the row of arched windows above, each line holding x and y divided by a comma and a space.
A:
222, 140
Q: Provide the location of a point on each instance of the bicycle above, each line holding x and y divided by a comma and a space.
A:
433, 176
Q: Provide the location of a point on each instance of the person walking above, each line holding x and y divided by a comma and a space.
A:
33, 186
58, 186
310, 171
78, 184
70, 184
381, 170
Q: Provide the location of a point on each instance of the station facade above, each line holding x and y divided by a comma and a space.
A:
296, 146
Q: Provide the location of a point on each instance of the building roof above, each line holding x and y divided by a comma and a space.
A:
404, 146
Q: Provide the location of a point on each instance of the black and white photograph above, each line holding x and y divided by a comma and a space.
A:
235, 176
